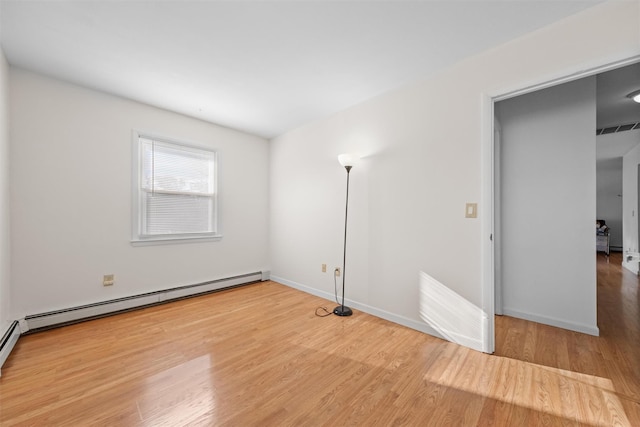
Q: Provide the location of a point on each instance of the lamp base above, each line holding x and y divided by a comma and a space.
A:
341, 310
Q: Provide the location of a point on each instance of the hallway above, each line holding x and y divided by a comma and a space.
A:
613, 357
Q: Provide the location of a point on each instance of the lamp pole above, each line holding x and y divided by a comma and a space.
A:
341, 310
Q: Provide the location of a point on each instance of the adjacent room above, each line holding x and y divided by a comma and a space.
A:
310, 213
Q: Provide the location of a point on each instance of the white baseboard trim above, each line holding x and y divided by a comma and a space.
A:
558, 323
400, 320
8, 341
105, 308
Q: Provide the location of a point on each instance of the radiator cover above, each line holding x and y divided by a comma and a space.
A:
9, 340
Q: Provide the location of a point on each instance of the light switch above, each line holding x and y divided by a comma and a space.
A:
471, 211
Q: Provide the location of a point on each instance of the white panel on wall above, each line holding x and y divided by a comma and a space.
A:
630, 162
5, 277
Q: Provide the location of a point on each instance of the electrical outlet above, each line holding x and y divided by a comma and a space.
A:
324, 268
108, 280
337, 271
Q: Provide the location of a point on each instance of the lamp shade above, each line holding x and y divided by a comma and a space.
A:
348, 159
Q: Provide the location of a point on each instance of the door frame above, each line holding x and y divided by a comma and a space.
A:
488, 181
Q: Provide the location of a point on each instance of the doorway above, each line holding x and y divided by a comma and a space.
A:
546, 194
493, 261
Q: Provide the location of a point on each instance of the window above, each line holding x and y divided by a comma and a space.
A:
174, 191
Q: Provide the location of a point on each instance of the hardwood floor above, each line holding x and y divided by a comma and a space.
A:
258, 356
607, 366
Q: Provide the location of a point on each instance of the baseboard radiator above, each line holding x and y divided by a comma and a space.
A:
53, 319
9, 339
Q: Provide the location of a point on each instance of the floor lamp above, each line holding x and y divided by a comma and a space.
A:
348, 161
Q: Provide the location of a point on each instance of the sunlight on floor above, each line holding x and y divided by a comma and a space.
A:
582, 398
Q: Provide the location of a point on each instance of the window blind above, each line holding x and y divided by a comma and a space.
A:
177, 189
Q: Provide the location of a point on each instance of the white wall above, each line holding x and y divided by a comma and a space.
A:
423, 145
5, 294
609, 197
630, 163
71, 199
548, 193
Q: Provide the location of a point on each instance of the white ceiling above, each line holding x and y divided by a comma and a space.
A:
264, 67
613, 106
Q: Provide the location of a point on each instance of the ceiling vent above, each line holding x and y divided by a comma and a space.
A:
619, 128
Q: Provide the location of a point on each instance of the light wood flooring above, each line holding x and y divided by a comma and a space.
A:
258, 356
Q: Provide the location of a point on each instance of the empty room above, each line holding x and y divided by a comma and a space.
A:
270, 213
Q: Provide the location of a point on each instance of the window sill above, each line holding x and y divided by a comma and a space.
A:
175, 240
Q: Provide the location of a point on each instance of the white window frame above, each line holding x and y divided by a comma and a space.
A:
138, 238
